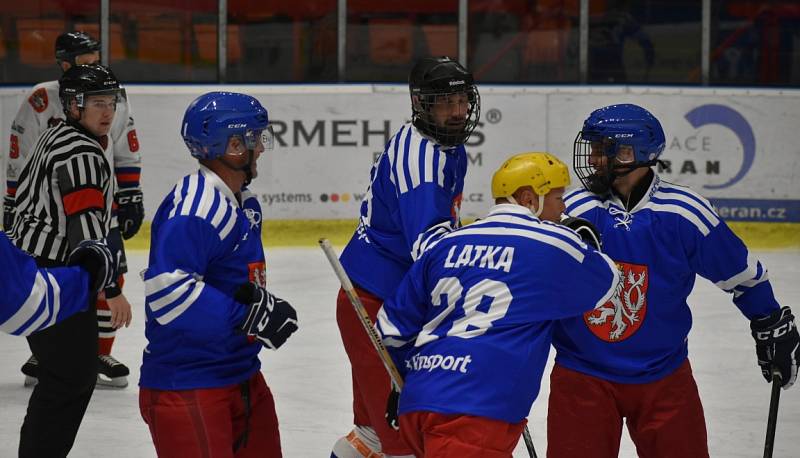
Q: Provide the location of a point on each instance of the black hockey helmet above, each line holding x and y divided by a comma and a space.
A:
72, 44
430, 80
82, 81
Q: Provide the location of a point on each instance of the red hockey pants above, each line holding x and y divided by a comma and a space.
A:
371, 384
211, 422
437, 435
664, 418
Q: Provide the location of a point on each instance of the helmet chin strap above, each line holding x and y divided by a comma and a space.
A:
536, 212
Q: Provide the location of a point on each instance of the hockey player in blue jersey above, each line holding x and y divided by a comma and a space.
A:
470, 325
627, 358
414, 197
208, 312
34, 299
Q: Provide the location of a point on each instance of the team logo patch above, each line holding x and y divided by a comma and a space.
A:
13, 152
133, 141
624, 313
258, 273
455, 210
38, 100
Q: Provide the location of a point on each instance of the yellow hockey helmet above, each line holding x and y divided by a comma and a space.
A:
541, 171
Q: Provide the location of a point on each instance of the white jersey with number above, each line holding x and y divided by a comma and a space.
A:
42, 109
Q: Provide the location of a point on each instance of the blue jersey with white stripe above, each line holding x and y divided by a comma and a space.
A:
34, 298
413, 199
670, 236
470, 325
204, 246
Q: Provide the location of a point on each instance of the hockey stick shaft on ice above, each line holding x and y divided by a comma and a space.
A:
388, 363
348, 288
772, 418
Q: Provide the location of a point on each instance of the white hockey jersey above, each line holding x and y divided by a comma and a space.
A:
42, 109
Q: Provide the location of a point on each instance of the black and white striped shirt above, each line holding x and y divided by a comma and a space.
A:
64, 194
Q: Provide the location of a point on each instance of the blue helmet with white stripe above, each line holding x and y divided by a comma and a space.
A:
213, 118
611, 131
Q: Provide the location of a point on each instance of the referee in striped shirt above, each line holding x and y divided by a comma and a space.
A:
64, 196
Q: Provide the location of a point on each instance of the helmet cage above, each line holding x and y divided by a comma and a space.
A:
423, 118
609, 131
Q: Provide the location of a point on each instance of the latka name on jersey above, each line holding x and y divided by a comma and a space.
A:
432, 362
484, 256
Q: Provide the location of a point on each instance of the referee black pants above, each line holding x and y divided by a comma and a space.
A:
67, 355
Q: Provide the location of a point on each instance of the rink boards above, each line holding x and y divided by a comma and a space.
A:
735, 146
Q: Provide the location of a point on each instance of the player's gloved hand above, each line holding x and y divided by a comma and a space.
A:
130, 211
777, 345
270, 319
391, 409
8, 213
96, 259
586, 230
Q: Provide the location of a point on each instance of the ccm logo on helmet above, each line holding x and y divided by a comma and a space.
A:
456, 82
237, 126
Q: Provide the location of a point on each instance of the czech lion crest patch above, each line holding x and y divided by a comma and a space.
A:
624, 313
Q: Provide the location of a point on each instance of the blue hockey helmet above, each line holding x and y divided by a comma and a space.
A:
213, 118
609, 131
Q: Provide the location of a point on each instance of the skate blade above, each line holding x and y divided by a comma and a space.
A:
30, 382
116, 383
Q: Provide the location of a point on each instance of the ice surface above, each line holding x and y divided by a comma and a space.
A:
311, 383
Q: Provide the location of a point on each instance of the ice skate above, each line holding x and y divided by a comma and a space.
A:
111, 373
31, 371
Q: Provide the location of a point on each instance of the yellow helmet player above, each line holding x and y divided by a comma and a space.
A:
542, 171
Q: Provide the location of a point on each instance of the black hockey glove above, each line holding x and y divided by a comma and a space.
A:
130, 212
8, 213
391, 409
777, 345
270, 319
586, 230
96, 259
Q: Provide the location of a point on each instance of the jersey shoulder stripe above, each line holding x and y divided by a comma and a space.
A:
687, 193
680, 200
579, 201
707, 216
416, 160
392, 150
196, 195
528, 222
545, 237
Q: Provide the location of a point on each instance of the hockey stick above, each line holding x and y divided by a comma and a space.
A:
347, 286
526, 436
388, 363
772, 418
